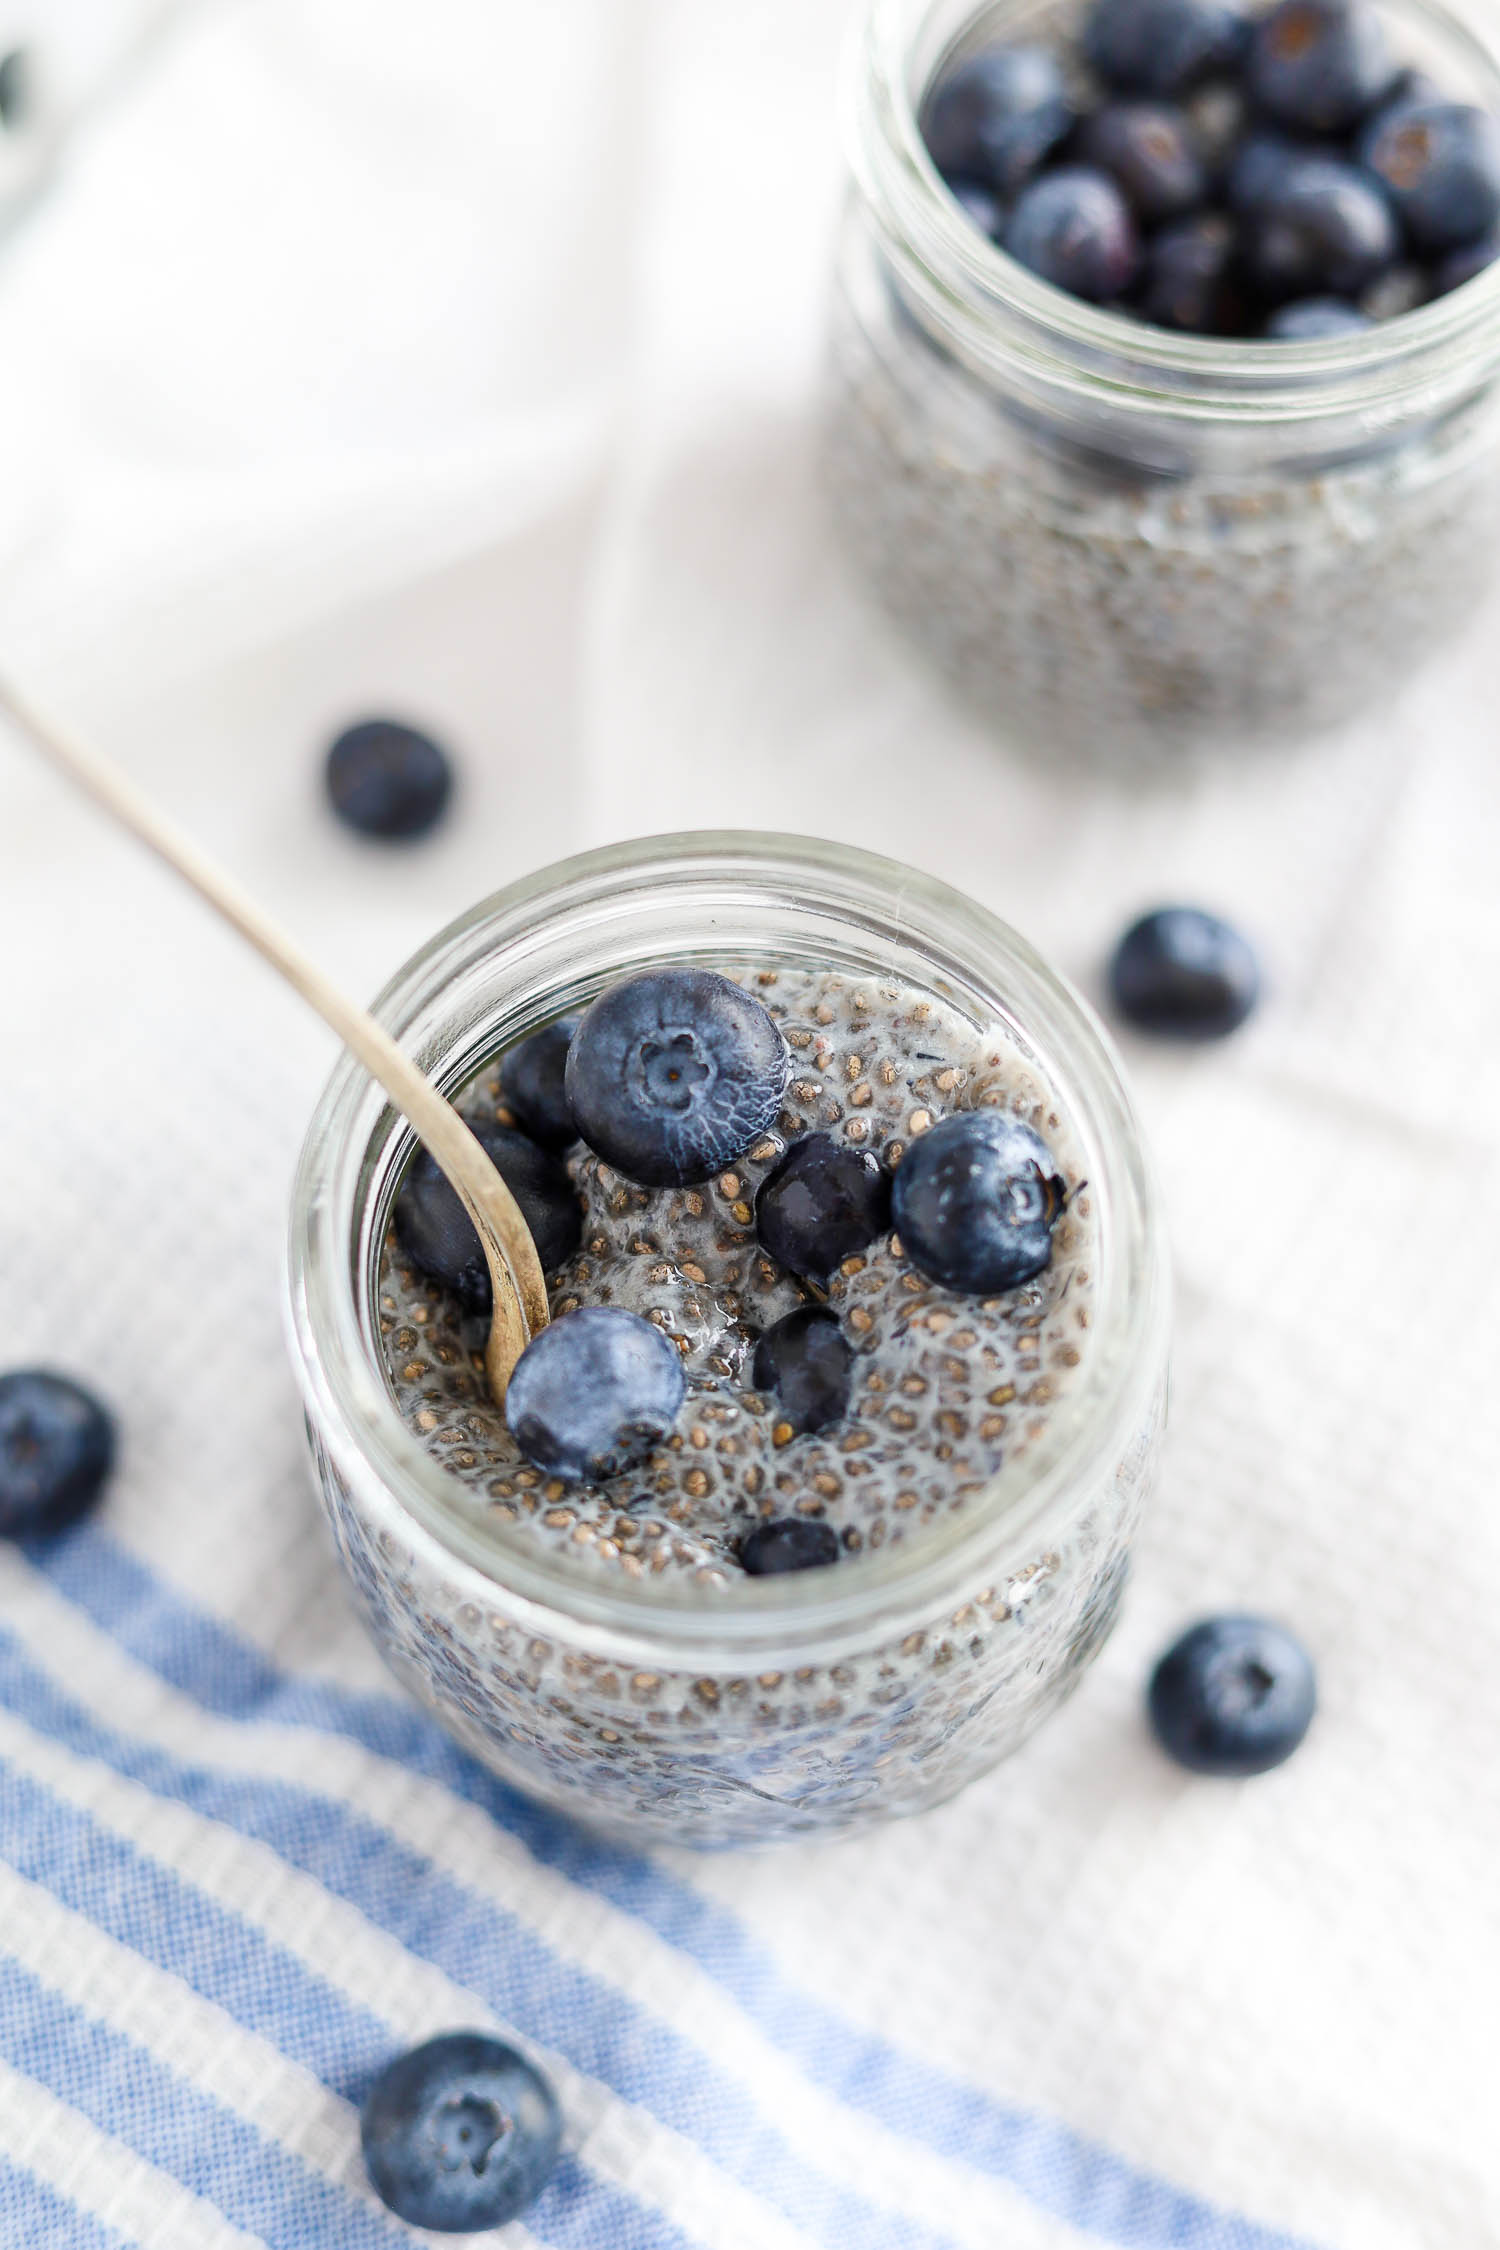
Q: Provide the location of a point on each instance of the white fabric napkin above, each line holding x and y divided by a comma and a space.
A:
466, 365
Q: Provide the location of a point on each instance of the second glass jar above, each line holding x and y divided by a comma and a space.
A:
1119, 540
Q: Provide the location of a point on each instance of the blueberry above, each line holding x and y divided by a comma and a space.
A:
387, 780
439, 1237
57, 1446
1188, 277
791, 1543
531, 1079
1148, 150
596, 1391
806, 1364
822, 1203
672, 1075
1461, 265
1324, 230
1321, 65
1216, 117
1439, 162
460, 2133
975, 1201
1310, 319
1234, 1696
1184, 973
980, 206
1406, 88
1400, 289
1162, 46
1259, 166
1073, 227
997, 116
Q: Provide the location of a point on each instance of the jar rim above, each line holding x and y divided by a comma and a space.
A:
354, 1416
1002, 318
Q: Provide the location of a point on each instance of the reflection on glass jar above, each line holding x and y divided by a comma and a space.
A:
1115, 539
605, 1651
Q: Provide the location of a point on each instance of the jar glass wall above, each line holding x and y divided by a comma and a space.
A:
778, 1706
1116, 539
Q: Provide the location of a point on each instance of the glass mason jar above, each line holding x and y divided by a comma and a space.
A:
1120, 540
655, 1708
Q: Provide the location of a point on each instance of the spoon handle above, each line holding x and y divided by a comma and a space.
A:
520, 1291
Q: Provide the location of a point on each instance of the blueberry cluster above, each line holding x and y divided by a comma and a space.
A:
669, 1078
1276, 176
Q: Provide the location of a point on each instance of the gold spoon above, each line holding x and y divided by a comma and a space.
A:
520, 1292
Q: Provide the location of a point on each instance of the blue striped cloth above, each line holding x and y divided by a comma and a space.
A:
511, 432
214, 1838
1092, 2001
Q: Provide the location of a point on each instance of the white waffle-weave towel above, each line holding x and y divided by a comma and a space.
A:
463, 362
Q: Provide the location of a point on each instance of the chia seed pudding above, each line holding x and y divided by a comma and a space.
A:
1121, 540
945, 1386
609, 1641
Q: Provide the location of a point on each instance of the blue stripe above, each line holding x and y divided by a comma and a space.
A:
478, 1944
1063, 2173
145, 1906
126, 2092
31, 2212
257, 2184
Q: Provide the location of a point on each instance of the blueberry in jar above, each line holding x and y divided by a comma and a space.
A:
672, 1074
790, 1543
1259, 166
460, 2134
996, 117
980, 206
1400, 289
805, 1364
531, 1079
821, 1203
1461, 265
1320, 65
1073, 228
1324, 230
595, 1392
1439, 162
1188, 276
1234, 1696
1162, 47
1149, 151
1407, 88
975, 1200
388, 780
1311, 320
441, 1240
57, 1447
1217, 117
1184, 974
